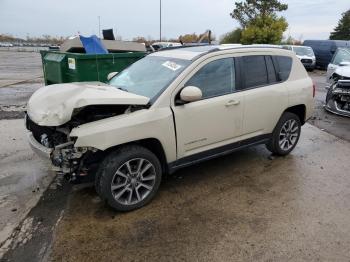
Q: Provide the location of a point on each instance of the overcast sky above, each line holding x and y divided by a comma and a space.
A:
308, 19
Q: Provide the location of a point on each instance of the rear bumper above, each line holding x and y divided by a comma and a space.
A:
38, 148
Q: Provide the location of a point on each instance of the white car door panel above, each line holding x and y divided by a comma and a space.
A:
216, 119
265, 97
263, 107
208, 123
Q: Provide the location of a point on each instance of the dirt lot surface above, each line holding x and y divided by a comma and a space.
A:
247, 206
243, 207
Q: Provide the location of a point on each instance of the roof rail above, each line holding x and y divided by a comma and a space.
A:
182, 46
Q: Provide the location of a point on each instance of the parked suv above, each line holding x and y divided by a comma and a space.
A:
169, 110
305, 54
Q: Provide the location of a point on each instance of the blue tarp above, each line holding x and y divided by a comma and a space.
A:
93, 45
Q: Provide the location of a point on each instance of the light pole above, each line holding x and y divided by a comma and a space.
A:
160, 20
99, 26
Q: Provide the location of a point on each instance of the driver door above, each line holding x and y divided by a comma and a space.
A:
216, 119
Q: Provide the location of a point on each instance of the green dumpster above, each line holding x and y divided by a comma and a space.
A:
63, 67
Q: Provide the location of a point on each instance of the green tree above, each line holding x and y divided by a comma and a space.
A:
249, 10
267, 30
259, 21
342, 31
232, 37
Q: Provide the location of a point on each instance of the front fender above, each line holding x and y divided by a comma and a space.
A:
148, 123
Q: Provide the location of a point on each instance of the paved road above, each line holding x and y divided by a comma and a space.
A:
20, 75
19, 66
23, 177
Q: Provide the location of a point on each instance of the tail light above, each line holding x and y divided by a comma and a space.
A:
313, 89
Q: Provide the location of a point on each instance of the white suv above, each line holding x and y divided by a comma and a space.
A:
170, 110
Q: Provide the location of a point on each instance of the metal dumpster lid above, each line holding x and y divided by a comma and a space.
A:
111, 45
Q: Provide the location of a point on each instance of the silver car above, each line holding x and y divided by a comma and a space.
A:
305, 54
338, 94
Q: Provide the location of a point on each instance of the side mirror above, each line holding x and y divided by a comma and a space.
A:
111, 75
344, 63
191, 94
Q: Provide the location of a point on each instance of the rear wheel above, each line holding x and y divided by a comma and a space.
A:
129, 178
285, 135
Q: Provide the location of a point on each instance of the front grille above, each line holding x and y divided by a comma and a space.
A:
306, 61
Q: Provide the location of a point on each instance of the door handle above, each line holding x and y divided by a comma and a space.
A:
232, 103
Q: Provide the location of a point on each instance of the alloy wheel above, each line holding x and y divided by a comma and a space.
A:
133, 181
289, 134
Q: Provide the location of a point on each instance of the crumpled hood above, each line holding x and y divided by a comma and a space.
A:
343, 71
53, 105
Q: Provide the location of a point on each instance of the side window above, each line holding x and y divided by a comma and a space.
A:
270, 70
254, 71
215, 78
284, 65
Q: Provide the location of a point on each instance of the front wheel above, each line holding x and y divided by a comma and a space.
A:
285, 135
129, 178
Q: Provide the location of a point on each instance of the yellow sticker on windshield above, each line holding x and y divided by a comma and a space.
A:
172, 65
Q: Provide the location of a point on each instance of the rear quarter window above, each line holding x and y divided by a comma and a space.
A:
271, 72
284, 67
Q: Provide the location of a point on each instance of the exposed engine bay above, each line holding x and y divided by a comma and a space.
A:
338, 95
66, 159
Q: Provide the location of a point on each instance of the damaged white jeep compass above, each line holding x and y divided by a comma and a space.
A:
169, 110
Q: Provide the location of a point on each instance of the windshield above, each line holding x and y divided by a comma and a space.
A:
342, 55
303, 51
149, 76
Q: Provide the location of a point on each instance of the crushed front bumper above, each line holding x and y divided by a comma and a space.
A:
39, 149
338, 98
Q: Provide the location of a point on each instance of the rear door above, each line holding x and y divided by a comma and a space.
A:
265, 95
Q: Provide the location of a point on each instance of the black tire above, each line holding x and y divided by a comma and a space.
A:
274, 143
116, 160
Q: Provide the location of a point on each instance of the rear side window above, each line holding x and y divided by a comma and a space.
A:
270, 70
215, 78
284, 65
254, 70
